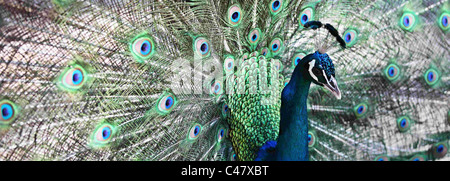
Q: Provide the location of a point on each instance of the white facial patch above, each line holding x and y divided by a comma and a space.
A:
311, 65
325, 75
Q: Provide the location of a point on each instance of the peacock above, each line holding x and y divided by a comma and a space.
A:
224, 80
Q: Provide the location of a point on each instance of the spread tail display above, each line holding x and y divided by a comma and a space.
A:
224, 80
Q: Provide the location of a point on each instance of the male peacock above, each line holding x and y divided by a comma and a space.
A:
203, 79
315, 68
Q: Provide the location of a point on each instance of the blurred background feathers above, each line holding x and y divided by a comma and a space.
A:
201, 79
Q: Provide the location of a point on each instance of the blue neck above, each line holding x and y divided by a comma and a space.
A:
292, 142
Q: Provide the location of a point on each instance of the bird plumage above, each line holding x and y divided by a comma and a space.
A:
189, 80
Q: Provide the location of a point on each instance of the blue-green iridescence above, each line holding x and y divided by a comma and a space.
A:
9, 112
350, 37
72, 78
360, 110
443, 21
258, 122
431, 77
142, 47
409, 21
102, 135
166, 103
403, 123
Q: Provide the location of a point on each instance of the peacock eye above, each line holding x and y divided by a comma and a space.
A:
202, 47
73, 78
142, 47
254, 36
265, 52
194, 132
392, 72
418, 158
225, 110
382, 158
431, 76
233, 156
216, 88
443, 21
8, 111
439, 150
229, 65
297, 59
350, 37
220, 134
276, 6
166, 103
306, 15
403, 123
102, 135
311, 139
408, 21
276, 46
234, 15
360, 110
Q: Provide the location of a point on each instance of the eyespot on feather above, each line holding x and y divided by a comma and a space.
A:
142, 47
408, 21
306, 15
72, 78
9, 111
166, 103
194, 131
234, 15
202, 47
276, 6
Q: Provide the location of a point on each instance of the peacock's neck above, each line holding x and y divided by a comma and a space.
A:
292, 141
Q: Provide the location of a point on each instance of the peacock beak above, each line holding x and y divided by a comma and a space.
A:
333, 87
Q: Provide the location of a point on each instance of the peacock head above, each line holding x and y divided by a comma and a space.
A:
320, 70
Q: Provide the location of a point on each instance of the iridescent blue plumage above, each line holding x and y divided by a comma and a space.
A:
206, 80
326, 62
292, 143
